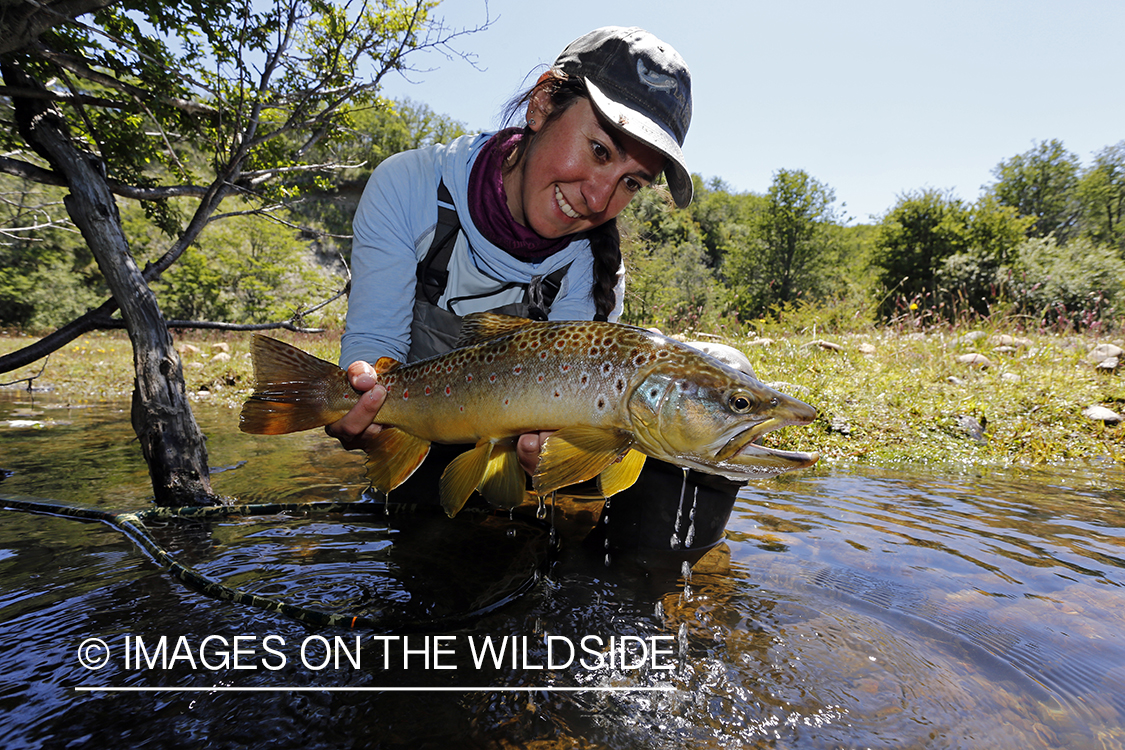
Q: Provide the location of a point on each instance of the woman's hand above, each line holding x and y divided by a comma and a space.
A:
356, 427
528, 447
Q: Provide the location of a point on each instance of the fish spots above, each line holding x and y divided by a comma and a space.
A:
405, 394
584, 380
448, 390
544, 354
507, 401
428, 390
461, 408
607, 368
449, 368
565, 367
557, 394
469, 378
560, 343
492, 378
619, 386
540, 378
517, 369
640, 359
601, 403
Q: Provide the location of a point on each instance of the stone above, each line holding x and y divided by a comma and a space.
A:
975, 360
1101, 414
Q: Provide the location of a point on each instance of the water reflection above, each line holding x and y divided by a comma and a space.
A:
847, 608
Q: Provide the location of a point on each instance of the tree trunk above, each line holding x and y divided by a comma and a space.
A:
170, 438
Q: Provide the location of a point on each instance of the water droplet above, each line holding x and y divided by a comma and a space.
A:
607, 560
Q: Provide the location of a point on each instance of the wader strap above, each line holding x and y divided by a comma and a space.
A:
433, 271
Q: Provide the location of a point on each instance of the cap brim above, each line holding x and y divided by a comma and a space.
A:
645, 130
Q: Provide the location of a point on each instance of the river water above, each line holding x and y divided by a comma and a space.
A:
848, 607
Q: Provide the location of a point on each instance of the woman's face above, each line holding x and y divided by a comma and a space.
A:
578, 172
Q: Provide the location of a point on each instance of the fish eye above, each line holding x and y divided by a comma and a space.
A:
740, 403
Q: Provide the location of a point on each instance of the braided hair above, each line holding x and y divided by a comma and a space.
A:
605, 239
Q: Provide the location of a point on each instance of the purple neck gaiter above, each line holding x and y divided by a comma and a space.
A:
488, 206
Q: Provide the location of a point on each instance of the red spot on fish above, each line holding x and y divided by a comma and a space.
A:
540, 378
428, 391
565, 368
542, 355
492, 378
517, 369
557, 394
469, 378
448, 390
405, 393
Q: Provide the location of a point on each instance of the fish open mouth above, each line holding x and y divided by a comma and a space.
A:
742, 450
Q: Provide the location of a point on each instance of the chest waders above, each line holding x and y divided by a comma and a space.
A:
667, 512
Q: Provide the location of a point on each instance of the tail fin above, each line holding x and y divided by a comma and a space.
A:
293, 390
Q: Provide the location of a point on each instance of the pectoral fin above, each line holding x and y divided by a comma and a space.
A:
622, 474
575, 454
463, 475
504, 480
392, 456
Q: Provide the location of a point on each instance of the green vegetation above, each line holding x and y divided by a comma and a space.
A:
888, 395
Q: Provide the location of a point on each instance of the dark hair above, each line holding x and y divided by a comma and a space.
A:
605, 239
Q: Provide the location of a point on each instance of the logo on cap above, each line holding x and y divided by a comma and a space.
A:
655, 81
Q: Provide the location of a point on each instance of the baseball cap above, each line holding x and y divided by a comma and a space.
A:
643, 87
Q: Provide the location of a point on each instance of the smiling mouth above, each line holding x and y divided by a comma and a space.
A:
565, 207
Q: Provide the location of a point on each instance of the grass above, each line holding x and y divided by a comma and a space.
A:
884, 396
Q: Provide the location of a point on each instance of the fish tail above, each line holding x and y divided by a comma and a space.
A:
293, 390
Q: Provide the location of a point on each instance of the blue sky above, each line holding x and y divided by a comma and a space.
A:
872, 98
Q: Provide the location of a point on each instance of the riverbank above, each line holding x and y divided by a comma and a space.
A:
976, 398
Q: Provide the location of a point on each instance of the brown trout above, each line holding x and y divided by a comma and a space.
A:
613, 393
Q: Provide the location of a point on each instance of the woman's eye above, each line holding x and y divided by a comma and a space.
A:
632, 185
600, 151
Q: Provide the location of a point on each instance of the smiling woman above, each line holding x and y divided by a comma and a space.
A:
520, 222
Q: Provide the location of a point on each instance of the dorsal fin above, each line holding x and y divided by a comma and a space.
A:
384, 365
479, 327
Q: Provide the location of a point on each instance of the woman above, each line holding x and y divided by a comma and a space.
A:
522, 221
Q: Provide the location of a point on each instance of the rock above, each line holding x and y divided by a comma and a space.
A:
975, 360
1101, 414
1102, 352
827, 346
1010, 377
953, 379
221, 357
186, 349
969, 338
222, 346
971, 427
759, 342
1109, 363
1005, 349
1003, 339
840, 425
866, 348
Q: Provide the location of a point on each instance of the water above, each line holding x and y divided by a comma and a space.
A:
847, 608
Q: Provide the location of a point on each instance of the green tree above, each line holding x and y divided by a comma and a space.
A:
1041, 183
1101, 194
914, 238
792, 249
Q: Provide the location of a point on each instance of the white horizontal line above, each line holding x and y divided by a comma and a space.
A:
395, 689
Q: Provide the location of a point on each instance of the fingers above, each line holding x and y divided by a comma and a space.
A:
528, 447
358, 425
